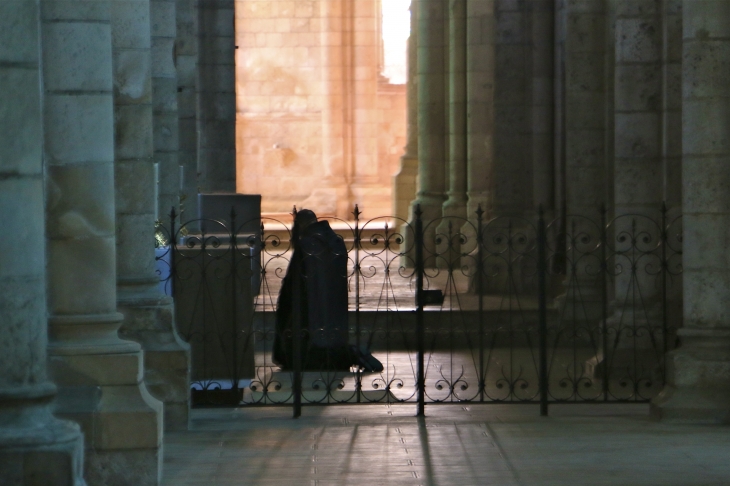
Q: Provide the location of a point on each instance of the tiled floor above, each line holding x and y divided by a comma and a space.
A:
453, 445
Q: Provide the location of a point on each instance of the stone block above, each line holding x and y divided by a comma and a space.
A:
585, 71
673, 36
706, 125
77, 57
218, 134
638, 182
706, 68
133, 131
163, 19
141, 467
163, 57
81, 272
21, 131
135, 260
85, 370
673, 127
130, 21
707, 19
706, 290
221, 79
637, 8
706, 238
188, 133
673, 83
585, 32
637, 135
77, 201
164, 96
19, 31
510, 28
132, 77
22, 337
79, 128
585, 6
186, 104
122, 406
586, 188
585, 111
217, 51
638, 40
166, 133
706, 182
187, 69
220, 20
217, 106
23, 254
134, 187
99, 11
638, 87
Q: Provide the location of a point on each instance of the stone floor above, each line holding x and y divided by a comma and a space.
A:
454, 445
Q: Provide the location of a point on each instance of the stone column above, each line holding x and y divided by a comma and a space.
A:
432, 147
638, 180
672, 104
186, 57
512, 161
149, 315
585, 26
165, 116
35, 447
100, 375
216, 96
333, 196
404, 183
542, 100
455, 205
698, 382
480, 58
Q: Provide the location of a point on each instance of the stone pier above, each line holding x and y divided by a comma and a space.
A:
216, 97
698, 382
404, 182
100, 376
432, 144
148, 314
35, 447
480, 106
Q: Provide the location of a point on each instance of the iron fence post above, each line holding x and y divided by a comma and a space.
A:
665, 265
420, 338
296, 332
234, 320
480, 290
542, 299
604, 301
358, 376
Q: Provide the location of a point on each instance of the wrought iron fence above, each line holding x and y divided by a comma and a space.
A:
506, 310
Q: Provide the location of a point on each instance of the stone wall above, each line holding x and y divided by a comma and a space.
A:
316, 125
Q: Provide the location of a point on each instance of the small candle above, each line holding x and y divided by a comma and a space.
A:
182, 177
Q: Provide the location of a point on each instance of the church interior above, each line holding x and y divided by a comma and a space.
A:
417, 112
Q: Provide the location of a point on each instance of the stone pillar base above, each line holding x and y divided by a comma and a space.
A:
59, 463
692, 405
105, 395
150, 321
38, 448
124, 467
700, 372
123, 430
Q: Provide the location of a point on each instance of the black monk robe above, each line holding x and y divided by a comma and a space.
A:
314, 291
